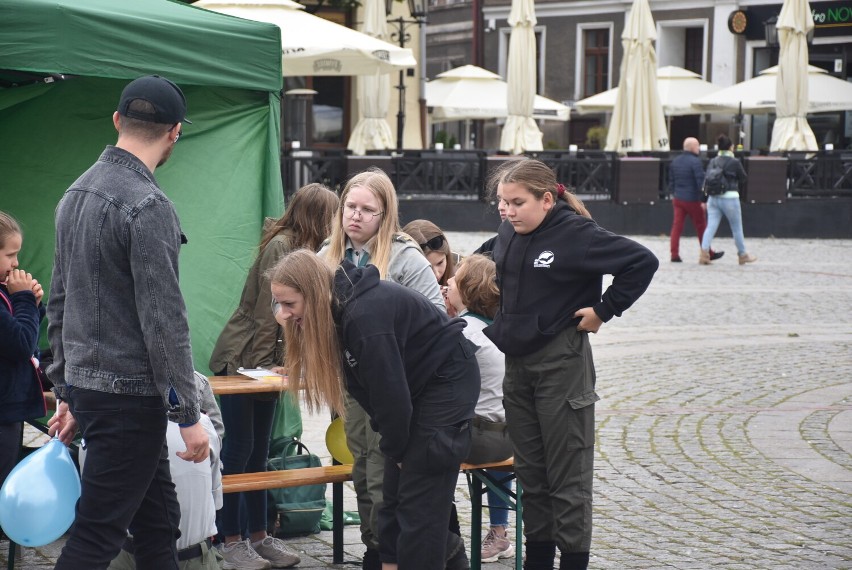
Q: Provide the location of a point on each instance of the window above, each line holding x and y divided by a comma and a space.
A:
595, 61
693, 50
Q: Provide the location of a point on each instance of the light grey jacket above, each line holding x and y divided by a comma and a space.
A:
408, 267
117, 319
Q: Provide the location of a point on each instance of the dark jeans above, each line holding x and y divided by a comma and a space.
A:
248, 427
10, 447
126, 483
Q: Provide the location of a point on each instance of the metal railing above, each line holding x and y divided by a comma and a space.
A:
462, 175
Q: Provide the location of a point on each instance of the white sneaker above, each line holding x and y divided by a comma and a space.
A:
240, 555
276, 552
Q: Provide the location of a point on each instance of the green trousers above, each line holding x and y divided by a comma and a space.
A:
368, 470
549, 399
209, 560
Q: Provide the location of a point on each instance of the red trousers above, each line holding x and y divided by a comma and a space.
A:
696, 213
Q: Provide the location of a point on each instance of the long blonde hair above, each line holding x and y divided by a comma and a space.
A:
313, 351
376, 181
538, 179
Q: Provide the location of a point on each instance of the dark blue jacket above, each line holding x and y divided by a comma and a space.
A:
686, 177
20, 390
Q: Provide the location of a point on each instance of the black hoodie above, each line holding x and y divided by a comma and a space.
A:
392, 340
546, 275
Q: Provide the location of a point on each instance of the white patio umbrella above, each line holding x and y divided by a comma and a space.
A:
373, 130
520, 132
825, 94
472, 93
677, 88
311, 45
637, 120
791, 130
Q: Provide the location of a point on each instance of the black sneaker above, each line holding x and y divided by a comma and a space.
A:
677, 260
714, 255
456, 553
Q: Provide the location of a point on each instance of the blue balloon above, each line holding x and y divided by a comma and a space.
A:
38, 498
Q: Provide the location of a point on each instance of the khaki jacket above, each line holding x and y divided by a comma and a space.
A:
252, 337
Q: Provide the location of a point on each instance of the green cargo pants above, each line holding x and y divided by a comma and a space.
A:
368, 469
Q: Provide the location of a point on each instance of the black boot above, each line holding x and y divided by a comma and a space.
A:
574, 561
456, 553
371, 560
540, 555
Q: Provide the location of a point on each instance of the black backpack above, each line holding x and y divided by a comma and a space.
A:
715, 180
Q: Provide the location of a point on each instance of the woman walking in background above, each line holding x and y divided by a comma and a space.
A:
252, 339
726, 204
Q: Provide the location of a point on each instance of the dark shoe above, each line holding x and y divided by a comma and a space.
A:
540, 555
677, 259
371, 560
574, 561
456, 554
714, 255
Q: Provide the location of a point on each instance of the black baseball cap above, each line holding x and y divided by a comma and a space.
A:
166, 97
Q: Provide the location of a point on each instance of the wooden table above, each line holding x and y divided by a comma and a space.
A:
245, 385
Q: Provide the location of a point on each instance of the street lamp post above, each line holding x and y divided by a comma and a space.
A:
418, 11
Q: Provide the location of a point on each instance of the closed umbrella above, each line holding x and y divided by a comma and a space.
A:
311, 45
677, 88
757, 95
791, 130
373, 130
637, 119
520, 132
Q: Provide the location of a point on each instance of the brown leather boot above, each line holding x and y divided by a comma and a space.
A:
747, 258
704, 258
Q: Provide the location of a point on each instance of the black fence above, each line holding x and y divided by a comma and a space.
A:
595, 175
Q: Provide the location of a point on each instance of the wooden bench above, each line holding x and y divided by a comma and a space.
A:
478, 482
334, 474
477, 479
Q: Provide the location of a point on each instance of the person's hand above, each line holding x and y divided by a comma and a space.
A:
279, 370
62, 424
38, 291
589, 320
197, 443
19, 280
451, 311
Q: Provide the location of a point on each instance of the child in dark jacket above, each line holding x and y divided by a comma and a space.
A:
551, 258
20, 313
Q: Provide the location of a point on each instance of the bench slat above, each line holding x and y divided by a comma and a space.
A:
505, 465
241, 482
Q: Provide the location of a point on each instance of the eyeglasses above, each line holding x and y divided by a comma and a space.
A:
434, 244
366, 214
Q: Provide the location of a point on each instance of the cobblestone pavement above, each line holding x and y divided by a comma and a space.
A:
725, 427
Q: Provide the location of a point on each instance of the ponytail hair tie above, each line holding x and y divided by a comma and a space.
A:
560, 190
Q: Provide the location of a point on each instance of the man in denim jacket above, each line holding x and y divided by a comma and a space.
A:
120, 338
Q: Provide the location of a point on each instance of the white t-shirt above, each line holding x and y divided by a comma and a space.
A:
492, 368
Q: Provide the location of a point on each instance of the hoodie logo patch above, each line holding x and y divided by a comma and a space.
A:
544, 259
350, 360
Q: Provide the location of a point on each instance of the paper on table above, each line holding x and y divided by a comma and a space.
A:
259, 373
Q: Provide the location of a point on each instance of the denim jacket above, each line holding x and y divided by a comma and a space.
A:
116, 319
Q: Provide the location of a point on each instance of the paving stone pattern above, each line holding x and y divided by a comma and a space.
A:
724, 433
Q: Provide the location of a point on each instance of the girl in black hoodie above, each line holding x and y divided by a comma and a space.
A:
551, 258
408, 365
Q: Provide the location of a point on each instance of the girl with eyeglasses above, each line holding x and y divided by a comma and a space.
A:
408, 365
251, 339
551, 258
366, 231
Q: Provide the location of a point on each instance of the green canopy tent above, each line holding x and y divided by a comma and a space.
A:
63, 64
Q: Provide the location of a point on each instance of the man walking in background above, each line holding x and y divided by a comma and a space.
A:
686, 182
